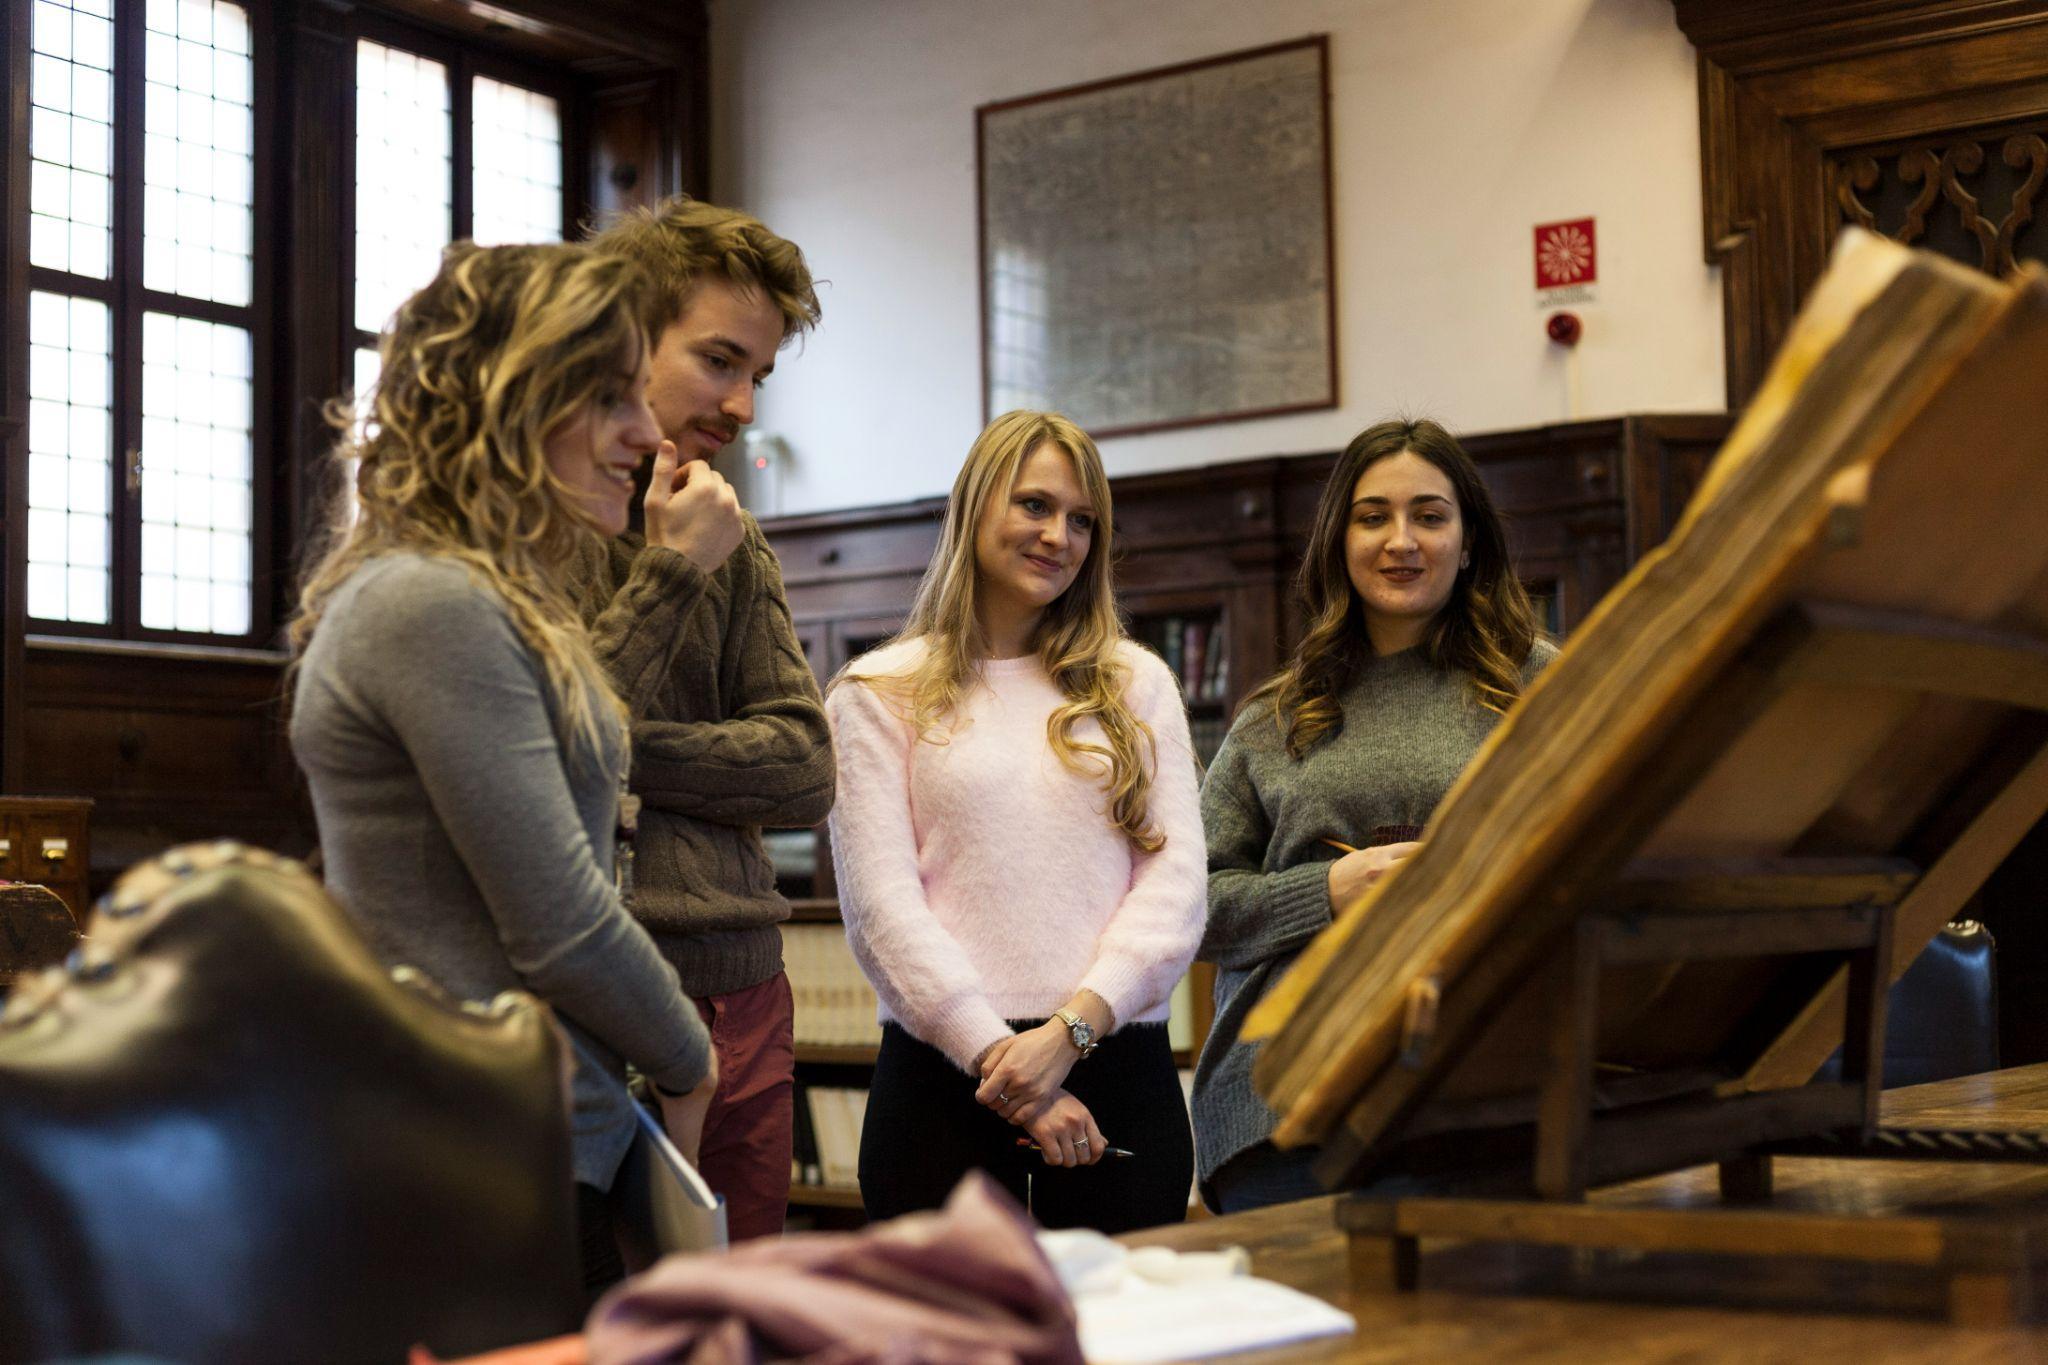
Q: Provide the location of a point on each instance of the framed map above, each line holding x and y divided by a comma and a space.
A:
1156, 249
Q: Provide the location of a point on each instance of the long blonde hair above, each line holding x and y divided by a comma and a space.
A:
1076, 639
478, 368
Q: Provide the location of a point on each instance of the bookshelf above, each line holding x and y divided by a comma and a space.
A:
1193, 642
1206, 559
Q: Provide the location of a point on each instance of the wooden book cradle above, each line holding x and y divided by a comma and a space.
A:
1772, 764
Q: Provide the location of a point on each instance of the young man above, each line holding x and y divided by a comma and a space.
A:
729, 731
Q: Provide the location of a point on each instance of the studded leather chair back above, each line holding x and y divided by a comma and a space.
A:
227, 1134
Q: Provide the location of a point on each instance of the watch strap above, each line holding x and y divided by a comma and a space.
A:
1076, 1025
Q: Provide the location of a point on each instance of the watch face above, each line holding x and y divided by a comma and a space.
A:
1084, 1035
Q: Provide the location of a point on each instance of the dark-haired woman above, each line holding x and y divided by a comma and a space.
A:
1419, 639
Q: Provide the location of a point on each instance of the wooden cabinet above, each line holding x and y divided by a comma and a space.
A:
47, 840
1218, 546
173, 744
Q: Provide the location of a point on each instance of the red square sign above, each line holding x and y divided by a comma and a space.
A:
1565, 254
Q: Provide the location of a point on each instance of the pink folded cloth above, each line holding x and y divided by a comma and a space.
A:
966, 1285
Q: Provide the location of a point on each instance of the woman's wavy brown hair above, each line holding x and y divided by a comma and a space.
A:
1077, 635
501, 348
1485, 630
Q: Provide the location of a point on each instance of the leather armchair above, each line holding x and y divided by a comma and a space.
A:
228, 1134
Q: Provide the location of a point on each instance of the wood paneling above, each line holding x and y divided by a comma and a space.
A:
1791, 92
171, 745
1582, 499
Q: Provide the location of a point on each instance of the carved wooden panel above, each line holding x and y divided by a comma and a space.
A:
1973, 198
1807, 103
171, 745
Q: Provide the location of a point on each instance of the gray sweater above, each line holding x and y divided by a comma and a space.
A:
729, 735
466, 843
1409, 730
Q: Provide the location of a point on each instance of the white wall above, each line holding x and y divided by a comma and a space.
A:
1457, 126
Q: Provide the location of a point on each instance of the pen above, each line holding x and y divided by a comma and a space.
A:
1340, 846
1107, 1151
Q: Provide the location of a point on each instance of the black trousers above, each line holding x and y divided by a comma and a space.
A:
924, 1131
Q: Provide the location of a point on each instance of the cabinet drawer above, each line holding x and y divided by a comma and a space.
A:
52, 847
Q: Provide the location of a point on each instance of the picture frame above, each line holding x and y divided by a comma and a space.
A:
1157, 250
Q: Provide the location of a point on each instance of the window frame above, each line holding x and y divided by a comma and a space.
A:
127, 299
465, 62
278, 524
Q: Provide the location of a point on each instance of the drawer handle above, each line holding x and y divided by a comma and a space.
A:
56, 850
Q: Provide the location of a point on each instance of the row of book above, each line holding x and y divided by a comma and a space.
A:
1206, 734
825, 1147
1196, 649
835, 1005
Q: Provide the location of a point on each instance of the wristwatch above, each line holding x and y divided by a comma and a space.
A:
1078, 1029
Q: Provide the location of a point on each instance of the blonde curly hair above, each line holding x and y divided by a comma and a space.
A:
478, 368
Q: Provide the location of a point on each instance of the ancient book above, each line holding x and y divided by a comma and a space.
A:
1837, 654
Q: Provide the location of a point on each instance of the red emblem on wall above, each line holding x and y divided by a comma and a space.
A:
1565, 254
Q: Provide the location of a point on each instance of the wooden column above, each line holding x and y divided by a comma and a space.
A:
14, 52
320, 66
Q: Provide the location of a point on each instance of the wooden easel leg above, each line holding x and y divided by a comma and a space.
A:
1863, 1037
1385, 1264
1746, 1179
1565, 1105
1987, 1298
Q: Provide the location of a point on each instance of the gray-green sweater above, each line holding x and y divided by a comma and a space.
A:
1409, 730
729, 736
465, 841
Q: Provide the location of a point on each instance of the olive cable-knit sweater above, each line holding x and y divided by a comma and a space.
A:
729, 737
1409, 730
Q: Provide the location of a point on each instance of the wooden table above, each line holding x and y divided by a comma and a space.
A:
1527, 1303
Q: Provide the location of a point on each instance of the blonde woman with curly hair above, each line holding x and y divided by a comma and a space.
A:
464, 750
1020, 859
1419, 638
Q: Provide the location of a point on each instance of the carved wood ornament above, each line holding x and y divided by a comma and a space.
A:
1936, 179
1926, 120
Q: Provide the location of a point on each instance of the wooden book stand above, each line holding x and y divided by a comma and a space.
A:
1836, 913
1773, 763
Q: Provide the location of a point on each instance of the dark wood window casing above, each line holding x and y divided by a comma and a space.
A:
1922, 119
178, 736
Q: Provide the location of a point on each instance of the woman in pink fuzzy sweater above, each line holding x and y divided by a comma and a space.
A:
1020, 858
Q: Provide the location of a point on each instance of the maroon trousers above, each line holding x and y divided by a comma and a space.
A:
746, 1149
